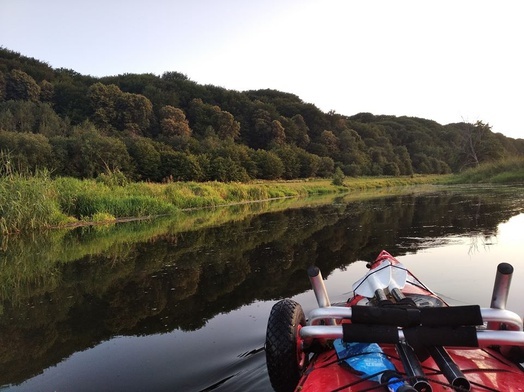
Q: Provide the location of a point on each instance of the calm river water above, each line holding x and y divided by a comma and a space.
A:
182, 305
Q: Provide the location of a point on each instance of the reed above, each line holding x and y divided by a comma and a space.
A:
507, 171
29, 202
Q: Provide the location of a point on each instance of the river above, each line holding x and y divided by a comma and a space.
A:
182, 304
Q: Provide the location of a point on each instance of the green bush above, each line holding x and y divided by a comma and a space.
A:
338, 177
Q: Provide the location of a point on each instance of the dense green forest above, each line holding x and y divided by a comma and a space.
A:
169, 128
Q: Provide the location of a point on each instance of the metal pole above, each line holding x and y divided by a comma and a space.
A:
317, 283
501, 287
315, 277
413, 368
449, 369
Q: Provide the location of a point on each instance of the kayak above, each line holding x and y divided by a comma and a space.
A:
395, 334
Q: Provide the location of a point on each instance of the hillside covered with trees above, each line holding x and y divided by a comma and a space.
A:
169, 128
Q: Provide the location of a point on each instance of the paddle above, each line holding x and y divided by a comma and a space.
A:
393, 277
411, 363
399, 276
372, 285
374, 282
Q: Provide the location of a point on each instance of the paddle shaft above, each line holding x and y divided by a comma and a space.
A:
413, 368
447, 366
397, 294
409, 360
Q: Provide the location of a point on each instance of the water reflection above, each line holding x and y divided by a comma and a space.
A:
69, 291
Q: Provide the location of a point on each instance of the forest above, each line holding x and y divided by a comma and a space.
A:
169, 128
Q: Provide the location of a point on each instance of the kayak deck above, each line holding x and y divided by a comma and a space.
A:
485, 369
395, 332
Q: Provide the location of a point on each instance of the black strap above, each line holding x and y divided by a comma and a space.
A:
366, 333
420, 336
447, 316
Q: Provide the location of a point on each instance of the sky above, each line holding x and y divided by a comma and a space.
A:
446, 60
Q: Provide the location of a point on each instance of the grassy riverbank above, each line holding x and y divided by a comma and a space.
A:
39, 201
33, 202
509, 171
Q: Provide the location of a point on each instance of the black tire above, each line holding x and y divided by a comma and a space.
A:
284, 358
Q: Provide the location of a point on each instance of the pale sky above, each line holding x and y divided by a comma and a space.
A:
445, 60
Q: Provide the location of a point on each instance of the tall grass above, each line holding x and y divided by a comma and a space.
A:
84, 198
37, 201
28, 202
508, 171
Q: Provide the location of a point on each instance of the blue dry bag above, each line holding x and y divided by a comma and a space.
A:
369, 360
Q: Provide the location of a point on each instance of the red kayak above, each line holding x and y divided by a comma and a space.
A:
395, 335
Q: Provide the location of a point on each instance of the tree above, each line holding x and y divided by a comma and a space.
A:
479, 144
301, 137
7, 120
86, 153
173, 122
289, 157
240, 154
289, 131
103, 99
309, 164
173, 76
269, 165
47, 91
146, 158
278, 134
21, 86
17, 116
353, 153
227, 126
261, 133
326, 167
180, 166
64, 155
27, 116
114, 109
391, 169
134, 113
353, 170
422, 163
27, 151
47, 122
203, 116
330, 140
226, 170
404, 160
71, 99
2, 86
338, 177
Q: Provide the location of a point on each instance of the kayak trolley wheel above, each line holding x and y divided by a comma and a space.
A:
285, 359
